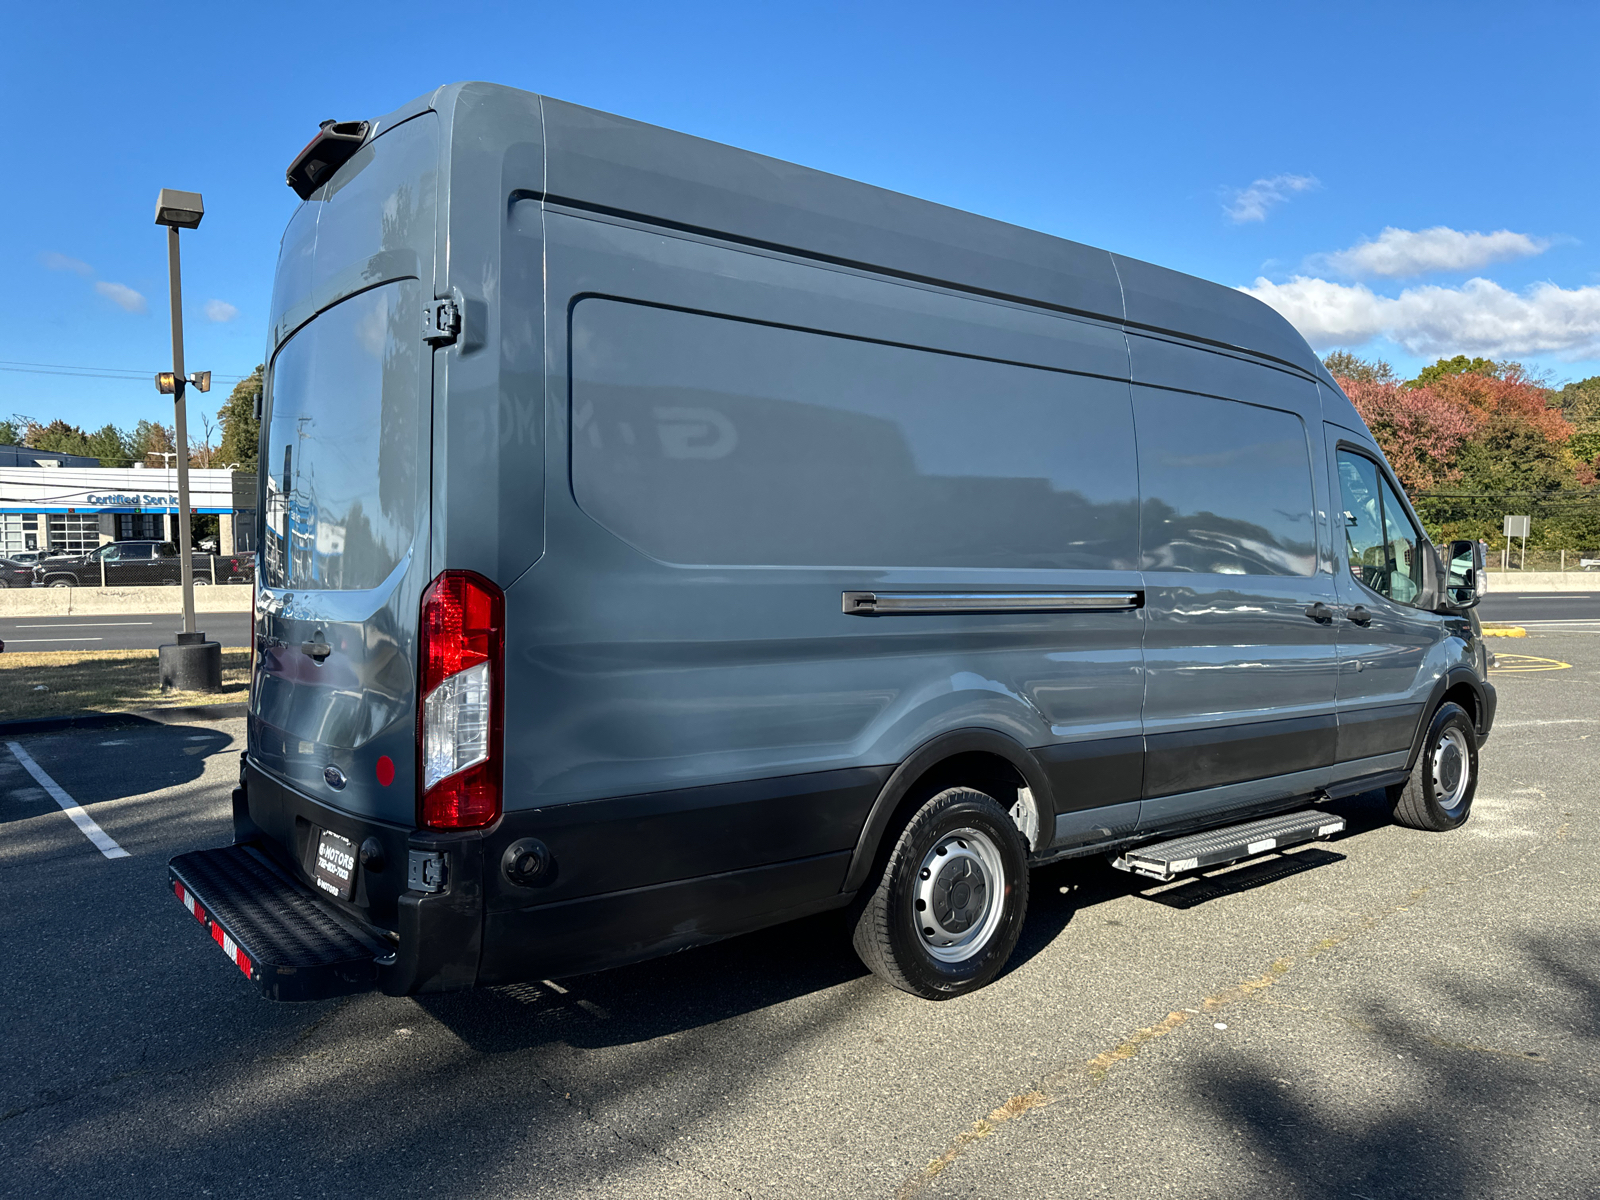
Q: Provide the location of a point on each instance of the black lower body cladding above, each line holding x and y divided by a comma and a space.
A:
636, 876
627, 878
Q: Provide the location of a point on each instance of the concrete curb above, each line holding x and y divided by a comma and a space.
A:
1541, 581
148, 716
67, 602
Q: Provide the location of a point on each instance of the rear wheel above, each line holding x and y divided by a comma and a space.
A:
945, 915
1438, 796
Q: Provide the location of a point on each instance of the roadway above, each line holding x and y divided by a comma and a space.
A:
1390, 1014
1573, 609
120, 631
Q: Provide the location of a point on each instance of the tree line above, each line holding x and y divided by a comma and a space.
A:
1474, 440
226, 439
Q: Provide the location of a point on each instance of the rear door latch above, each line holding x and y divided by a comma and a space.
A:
441, 323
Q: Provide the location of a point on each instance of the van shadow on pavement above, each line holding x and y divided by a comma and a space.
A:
93, 765
744, 974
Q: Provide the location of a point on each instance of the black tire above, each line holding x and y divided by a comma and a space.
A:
982, 852
1438, 796
62, 581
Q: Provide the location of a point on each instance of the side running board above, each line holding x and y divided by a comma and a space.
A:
1213, 848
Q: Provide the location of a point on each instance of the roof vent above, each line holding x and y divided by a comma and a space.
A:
324, 154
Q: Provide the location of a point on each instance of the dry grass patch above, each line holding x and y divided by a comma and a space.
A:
63, 682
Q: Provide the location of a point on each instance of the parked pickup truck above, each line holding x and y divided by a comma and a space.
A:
136, 564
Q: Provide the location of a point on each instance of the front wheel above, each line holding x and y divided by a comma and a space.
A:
946, 913
1438, 796
61, 583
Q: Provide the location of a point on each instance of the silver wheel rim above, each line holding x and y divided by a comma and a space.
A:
960, 895
1452, 770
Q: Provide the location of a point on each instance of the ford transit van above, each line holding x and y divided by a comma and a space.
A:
660, 541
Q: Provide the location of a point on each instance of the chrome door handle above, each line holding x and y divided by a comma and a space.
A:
1320, 613
1359, 615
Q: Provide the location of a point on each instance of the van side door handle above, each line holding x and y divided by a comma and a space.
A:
1359, 615
1320, 613
318, 649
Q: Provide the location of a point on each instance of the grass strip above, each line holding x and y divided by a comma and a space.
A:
63, 683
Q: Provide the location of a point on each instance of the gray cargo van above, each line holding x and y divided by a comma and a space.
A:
661, 541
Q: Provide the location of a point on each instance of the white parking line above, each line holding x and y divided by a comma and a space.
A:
73, 640
103, 841
86, 625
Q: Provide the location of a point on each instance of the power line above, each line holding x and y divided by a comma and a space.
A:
33, 368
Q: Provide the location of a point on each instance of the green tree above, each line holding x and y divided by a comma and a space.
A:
241, 430
1459, 365
12, 429
110, 445
58, 437
1344, 365
148, 442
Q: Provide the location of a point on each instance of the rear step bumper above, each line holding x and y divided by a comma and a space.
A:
1213, 848
272, 928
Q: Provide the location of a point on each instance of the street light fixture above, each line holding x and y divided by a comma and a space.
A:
194, 664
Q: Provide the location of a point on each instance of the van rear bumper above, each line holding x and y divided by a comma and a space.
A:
433, 937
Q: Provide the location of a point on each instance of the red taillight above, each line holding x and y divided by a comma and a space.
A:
459, 707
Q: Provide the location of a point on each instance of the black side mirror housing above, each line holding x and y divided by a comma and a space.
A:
1464, 574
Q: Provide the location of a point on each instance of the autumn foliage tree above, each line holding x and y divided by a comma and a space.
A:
1472, 440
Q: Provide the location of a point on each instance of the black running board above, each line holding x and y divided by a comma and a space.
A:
1215, 847
273, 929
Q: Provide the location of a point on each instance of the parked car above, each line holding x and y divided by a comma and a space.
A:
140, 564
14, 574
703, 541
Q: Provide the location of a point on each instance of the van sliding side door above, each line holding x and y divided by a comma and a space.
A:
1240, 652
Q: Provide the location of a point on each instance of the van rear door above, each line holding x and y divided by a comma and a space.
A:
334, 685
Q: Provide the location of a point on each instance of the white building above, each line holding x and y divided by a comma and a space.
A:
75, 508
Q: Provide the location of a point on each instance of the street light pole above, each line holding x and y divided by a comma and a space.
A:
193, 664
185, 559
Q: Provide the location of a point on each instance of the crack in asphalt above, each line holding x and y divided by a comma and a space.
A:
1084, 1075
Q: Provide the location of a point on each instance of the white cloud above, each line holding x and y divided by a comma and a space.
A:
220, 311
1479, 317
120, 294
60, 262
1403, 253
1251, 203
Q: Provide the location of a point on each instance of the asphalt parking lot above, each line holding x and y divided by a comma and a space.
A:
1392, 1014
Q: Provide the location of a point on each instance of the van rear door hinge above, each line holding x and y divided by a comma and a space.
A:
441, 323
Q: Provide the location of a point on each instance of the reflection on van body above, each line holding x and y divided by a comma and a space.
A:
580, 437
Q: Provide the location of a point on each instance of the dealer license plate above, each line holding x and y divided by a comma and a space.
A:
336, 865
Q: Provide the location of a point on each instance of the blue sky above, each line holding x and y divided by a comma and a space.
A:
1262, 145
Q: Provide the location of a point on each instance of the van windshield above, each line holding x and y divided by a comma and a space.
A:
341, 444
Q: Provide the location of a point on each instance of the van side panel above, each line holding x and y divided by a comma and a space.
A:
610, 164
638, 668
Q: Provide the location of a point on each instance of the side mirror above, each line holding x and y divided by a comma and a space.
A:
1464, 577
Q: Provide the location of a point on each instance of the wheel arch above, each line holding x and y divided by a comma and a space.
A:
962, 757
1459, 685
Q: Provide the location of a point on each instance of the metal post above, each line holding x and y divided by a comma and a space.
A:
1563, 560
185, 563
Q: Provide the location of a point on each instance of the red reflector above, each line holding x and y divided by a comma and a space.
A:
385, 771
244, 963
216, 934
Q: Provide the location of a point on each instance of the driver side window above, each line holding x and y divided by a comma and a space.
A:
1384, 547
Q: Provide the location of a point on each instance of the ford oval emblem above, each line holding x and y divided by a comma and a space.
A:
333, 777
